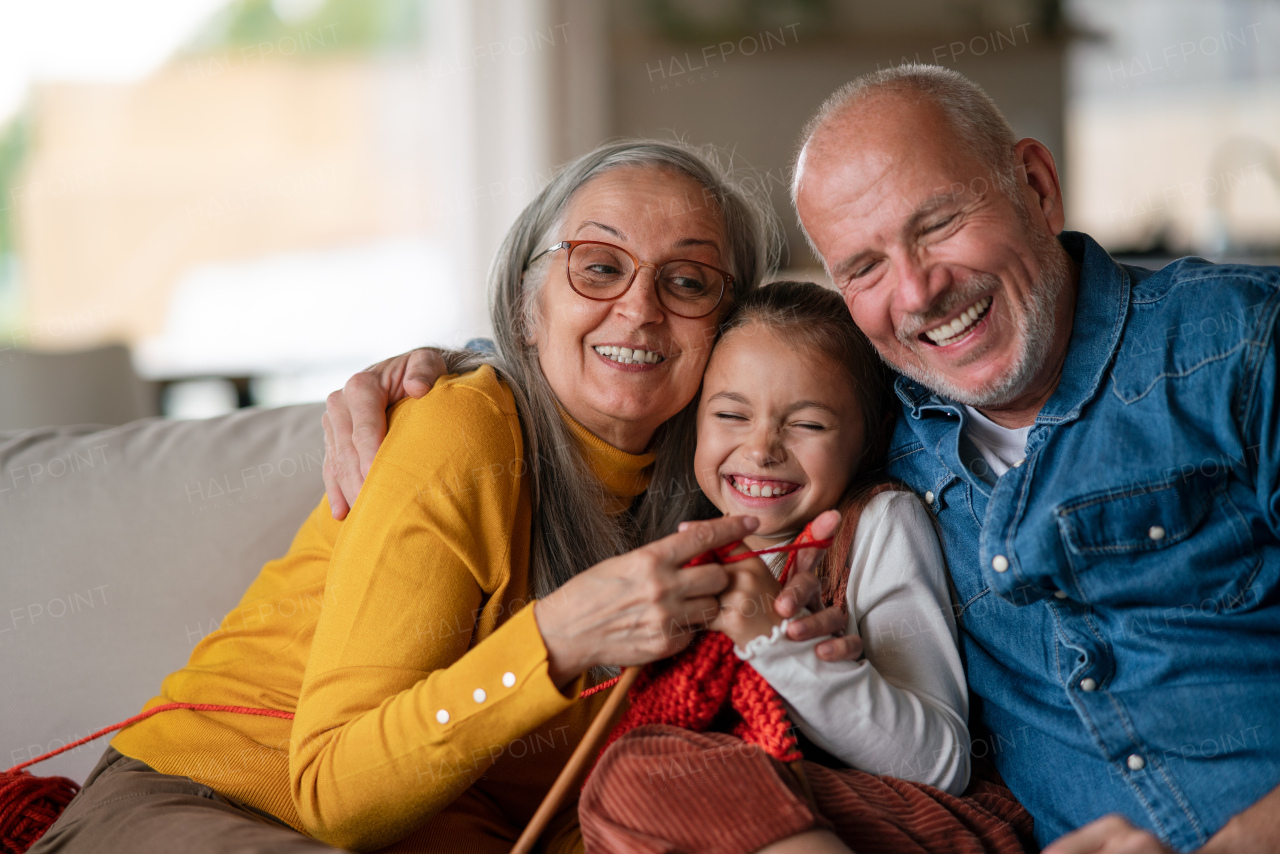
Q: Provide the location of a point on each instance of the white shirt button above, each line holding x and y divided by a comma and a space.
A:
928, 497
442, 716
1020, 462
479, 695
508, 679
1088, 684
1000, 563
1060, 594
1136, 762
1155, 532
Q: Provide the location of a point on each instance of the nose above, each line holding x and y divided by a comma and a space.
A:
764, 446
918, 283
640, 303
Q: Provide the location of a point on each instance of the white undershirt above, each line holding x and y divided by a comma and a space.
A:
1001, 447
903, 709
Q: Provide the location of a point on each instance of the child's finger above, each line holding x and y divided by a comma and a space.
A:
822, 528
803, 589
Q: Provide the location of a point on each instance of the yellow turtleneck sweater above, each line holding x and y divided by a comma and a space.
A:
404, 641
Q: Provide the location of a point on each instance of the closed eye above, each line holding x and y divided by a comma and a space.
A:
864, 269
939, 225
730, 416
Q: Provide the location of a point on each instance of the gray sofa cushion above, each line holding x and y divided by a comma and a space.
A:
121, 547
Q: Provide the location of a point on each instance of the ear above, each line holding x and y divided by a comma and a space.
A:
1038, 182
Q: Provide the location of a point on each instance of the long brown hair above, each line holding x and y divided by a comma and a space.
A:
816, 318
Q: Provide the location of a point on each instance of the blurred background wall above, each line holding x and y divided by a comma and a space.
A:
210, 203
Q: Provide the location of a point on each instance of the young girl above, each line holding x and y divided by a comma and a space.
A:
794, 420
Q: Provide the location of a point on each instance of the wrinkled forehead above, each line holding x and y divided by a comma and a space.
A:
872, 169
640, 202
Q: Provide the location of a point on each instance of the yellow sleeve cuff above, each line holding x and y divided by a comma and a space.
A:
501, 688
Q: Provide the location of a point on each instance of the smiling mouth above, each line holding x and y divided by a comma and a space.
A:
754, 487
630, 355
961, 325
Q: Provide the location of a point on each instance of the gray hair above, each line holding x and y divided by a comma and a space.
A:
975, 118
571, 530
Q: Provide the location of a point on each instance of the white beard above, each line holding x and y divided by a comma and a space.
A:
1033, 336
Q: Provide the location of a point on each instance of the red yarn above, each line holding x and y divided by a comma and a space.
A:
30, 805
707, 685
688, 690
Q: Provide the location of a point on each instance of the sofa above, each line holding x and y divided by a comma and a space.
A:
120, 547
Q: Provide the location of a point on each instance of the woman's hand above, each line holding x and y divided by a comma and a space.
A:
746, 605
640, 606
355, 419
804, 590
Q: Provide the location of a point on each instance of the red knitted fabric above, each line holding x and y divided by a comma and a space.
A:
706, 685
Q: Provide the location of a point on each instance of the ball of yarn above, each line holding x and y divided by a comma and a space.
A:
29, 806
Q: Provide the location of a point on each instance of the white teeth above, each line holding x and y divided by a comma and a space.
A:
758, 491
960, 324
628, 355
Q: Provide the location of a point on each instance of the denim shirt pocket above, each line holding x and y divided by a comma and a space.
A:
1177, 543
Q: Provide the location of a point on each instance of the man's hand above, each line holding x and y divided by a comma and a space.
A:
1254, 831
355, 419
1111, 834
804, 590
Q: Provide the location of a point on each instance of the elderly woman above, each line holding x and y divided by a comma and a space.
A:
433, 644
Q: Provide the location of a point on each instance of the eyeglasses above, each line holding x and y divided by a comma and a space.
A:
602, 271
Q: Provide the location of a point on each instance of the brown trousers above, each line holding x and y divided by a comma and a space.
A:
127, 806
663, 790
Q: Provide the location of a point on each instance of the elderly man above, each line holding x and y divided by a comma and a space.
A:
1100, 445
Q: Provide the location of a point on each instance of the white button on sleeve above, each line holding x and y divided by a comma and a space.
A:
928, 497
1088, 684
442, 716
479, 695
1156, 533
1060, 594
1136, 762
508, 679
1000, 563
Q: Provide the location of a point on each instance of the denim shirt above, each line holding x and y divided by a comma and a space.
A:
1117, 590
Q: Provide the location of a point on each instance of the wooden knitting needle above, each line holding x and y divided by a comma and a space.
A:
583, 756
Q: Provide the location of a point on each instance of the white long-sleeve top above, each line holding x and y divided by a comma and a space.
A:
903, 709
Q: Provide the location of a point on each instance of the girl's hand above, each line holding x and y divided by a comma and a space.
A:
804, 590
637, 607
746, 605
